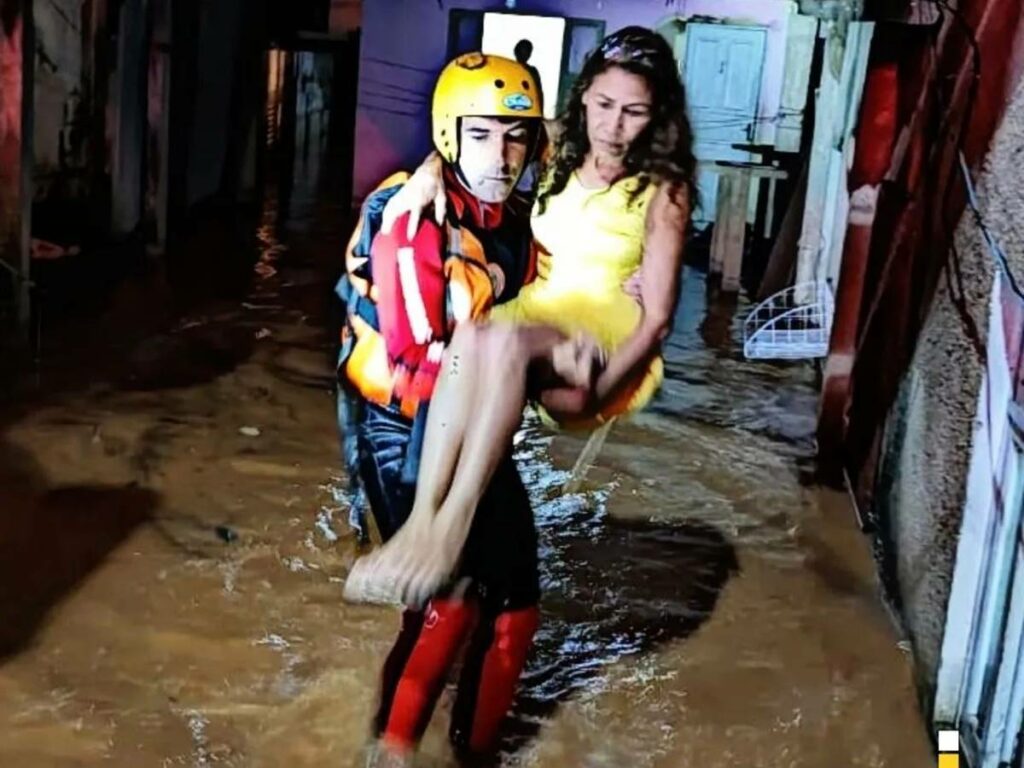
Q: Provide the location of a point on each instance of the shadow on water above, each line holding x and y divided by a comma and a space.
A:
52, 538
622, 589
612, 588
185, 359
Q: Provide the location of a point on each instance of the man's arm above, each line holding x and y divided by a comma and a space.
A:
357, 249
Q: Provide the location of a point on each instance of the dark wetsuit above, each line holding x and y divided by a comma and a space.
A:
500, 556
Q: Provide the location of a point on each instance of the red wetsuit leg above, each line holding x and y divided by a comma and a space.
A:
442, 631
489, 678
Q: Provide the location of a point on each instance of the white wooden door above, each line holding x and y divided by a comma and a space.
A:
722, 71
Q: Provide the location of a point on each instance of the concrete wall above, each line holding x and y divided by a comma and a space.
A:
928, 442
128, 117
404, 46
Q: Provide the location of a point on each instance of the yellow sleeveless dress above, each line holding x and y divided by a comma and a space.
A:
590, 241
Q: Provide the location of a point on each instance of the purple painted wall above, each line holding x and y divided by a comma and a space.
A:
404, 45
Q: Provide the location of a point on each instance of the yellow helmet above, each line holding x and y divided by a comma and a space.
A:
480, 85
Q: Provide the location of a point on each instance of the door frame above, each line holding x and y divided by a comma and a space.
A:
985, 612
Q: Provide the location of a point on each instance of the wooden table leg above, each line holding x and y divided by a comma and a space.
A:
735, 230
721, 217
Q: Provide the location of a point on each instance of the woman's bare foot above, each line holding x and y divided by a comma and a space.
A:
578, 360
409, 569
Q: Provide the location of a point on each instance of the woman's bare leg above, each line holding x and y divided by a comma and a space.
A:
450, 409
483, 379
448, 417
476, 408
371, 576
503, 355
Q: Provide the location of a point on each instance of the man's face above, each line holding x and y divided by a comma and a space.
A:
492, 154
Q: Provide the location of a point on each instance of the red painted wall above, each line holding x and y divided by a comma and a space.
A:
885, 300
11, 181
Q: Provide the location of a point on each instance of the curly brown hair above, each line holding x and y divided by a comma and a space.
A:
663, 152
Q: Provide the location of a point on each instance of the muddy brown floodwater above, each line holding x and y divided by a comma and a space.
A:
174, 544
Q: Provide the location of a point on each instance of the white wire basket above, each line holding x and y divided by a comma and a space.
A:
794, 324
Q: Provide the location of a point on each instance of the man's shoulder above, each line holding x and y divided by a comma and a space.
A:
371, 212
375, 201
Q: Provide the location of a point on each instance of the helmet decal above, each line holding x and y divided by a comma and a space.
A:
471, 60
518, 101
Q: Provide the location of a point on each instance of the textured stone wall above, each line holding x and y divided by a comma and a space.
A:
928, 440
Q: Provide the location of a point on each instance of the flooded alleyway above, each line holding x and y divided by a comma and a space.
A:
173, 544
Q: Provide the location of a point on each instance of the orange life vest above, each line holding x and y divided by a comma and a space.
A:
487, 250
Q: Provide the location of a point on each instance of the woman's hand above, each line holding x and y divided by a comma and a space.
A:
634, 286
578, 361
665, 237
424, 187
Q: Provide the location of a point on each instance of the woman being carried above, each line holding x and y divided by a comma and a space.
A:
613, 209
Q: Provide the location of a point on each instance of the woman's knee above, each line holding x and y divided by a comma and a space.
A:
465, 349
499, 347
483, 340
465, 338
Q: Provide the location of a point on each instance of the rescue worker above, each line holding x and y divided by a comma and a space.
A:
404, 296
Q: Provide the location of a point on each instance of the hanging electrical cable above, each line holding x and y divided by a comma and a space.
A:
994, 249
954, 272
